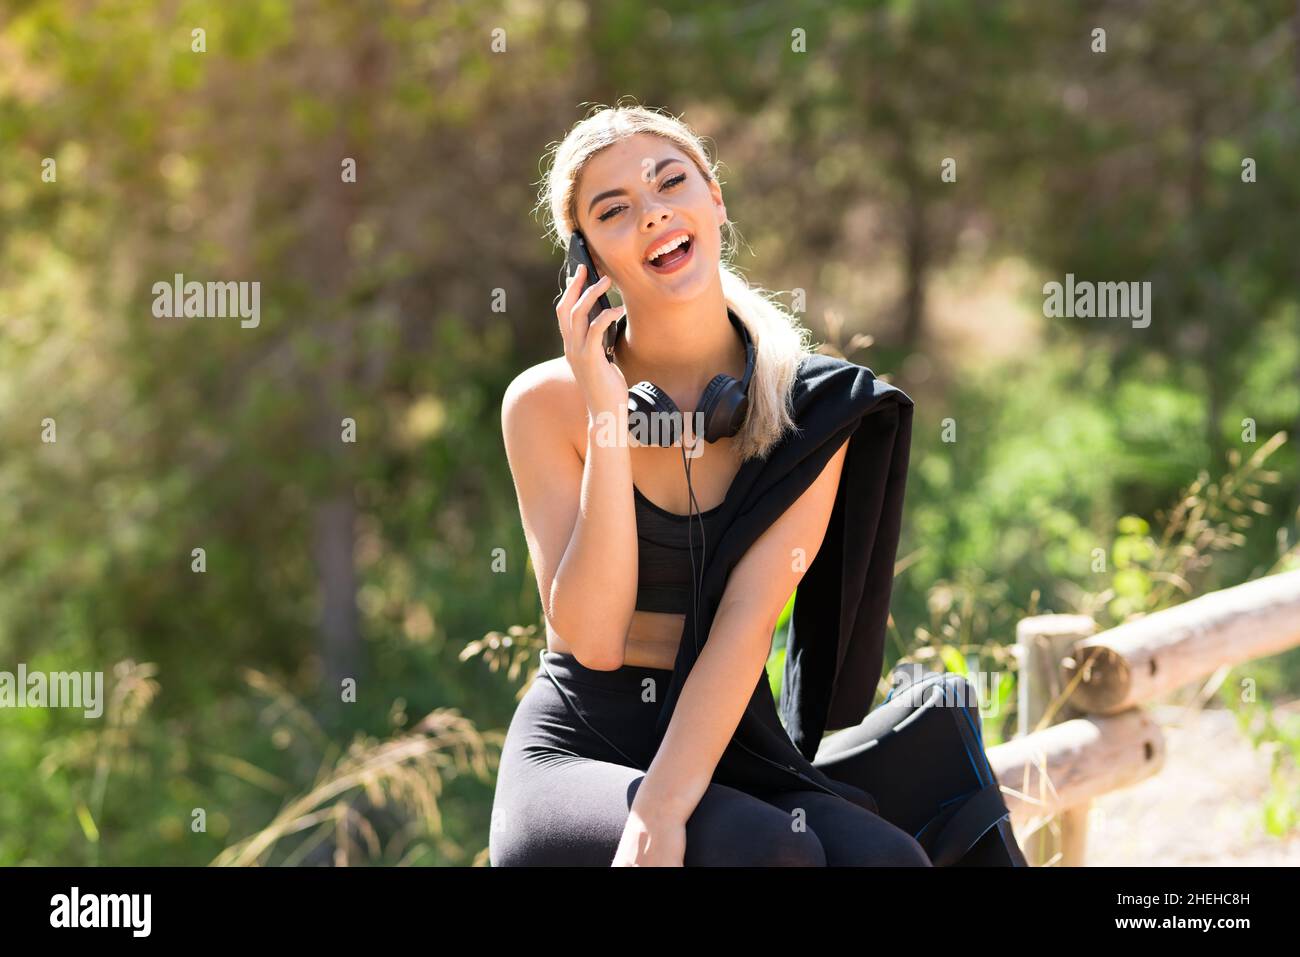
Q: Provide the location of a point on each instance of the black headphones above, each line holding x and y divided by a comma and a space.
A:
723, 406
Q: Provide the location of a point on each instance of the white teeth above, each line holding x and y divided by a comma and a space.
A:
667, 247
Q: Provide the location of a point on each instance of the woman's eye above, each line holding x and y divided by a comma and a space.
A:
672, 181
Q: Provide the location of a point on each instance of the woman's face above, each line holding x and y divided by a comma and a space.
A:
635, 196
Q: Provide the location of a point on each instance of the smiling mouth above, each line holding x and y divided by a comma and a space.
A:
672, 259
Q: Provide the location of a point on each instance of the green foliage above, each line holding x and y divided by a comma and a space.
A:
1276, 732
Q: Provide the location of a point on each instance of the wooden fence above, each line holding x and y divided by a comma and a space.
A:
1084, 730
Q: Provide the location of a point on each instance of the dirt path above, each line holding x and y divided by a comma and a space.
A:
1203, 807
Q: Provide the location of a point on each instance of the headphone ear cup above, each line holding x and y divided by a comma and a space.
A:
723, 406
652, 414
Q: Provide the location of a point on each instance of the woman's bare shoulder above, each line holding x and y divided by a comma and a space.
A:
546, 397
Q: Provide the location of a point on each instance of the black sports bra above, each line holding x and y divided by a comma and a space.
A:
664, 580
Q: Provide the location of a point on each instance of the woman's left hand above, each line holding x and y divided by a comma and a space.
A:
651, 840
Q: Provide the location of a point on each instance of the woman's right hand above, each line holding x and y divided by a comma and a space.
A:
601, 381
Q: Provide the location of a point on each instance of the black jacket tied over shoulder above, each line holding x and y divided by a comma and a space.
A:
835, 645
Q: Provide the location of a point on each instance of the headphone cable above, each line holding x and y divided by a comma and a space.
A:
694, 511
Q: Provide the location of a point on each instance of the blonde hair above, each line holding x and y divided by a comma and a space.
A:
780, 341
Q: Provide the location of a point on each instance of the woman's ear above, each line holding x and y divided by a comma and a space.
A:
720, 208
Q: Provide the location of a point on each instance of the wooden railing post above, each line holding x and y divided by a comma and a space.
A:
1042, 643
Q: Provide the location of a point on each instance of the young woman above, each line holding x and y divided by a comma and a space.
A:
606, 526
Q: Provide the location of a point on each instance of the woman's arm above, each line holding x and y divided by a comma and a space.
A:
579, 519
722, 680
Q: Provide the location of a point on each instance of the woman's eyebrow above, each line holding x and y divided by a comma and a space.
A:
622, 192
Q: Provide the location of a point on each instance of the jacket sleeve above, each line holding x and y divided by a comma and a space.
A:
836, 641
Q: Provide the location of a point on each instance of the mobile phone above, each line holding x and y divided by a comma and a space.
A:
579, 254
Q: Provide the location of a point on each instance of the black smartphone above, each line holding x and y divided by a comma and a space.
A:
579, 254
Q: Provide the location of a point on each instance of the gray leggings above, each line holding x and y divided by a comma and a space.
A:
563, 794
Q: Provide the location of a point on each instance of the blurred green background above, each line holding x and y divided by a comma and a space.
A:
1039, 444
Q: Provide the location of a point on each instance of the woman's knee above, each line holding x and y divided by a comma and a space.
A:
512, 846
552, 843
766, 847
852, 836
793, 849
904, 851
886, 846
732, 829
552, 824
